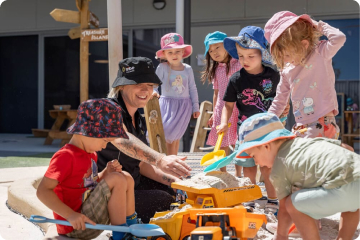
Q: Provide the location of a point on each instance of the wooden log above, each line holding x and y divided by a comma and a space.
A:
201, 123
154, 126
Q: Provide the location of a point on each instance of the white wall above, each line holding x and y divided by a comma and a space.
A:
33, 15
229, 16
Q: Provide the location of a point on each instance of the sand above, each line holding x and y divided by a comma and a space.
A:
215, 179
330, 226
170, 214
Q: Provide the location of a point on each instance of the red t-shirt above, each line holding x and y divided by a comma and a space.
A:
77, 174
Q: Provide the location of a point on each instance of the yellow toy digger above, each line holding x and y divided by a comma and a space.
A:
213, 214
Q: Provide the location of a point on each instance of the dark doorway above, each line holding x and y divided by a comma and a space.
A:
18, 84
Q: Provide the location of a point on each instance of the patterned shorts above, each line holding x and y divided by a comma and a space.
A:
324, 127
95, 208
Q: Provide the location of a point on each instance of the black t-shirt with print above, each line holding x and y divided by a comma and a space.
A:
252, 93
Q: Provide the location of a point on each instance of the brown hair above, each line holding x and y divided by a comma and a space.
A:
211, 66
290, 41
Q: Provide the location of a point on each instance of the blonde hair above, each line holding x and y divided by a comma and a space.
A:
290, 41
114, 92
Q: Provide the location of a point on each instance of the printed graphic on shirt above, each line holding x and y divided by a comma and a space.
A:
297, 113
178, 83
308, 105
90, 179
267, 85
255, 98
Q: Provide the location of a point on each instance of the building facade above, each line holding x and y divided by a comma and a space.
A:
39, 63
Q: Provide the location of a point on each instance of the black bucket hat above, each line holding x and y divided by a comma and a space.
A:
135, 70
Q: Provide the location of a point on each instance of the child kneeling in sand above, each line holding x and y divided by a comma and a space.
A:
72, 186
313, 178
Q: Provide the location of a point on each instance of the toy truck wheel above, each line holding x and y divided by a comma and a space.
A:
164, 237
186, 237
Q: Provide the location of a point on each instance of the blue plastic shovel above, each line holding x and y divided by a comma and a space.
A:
220, 163
139, 230
226, 160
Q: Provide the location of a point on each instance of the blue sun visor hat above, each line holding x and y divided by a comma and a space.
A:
212, 38
259, 129
250, 37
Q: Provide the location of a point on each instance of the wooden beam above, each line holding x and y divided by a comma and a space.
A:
154, 126
92, 35
94, 20
115, 43
201, 123
74, 33
84, 54
62, 15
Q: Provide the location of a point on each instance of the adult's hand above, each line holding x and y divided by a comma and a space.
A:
174, 165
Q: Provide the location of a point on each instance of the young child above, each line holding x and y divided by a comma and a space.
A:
252, 88
313, 178
220, 66
306, 72
179, 97
72, 186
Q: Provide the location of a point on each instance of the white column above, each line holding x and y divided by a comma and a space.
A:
115, 43
179, 17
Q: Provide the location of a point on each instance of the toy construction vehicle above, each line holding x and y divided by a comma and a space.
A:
213, 215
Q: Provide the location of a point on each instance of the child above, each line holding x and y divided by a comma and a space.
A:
219, 68
306, 72
313, 178
72, 186
179, 97
253, 89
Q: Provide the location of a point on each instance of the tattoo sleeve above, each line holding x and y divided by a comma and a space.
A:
135, 148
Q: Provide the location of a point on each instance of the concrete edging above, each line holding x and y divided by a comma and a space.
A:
22, 198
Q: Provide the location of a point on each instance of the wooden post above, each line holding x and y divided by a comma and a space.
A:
84, 53
201, 123
154, 126
115, 43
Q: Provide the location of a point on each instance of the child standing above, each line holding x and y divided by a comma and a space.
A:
253, 88
179, 97
220, 66
72, 186
313, 178
306, 72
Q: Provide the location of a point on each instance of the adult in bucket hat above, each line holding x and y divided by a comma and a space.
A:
132, 89
249, 37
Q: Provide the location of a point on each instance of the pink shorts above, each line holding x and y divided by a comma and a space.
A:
324, 127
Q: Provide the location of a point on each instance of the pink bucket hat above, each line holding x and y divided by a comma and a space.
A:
171, 41
279, 23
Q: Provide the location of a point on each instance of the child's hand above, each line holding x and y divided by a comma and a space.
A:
78, 220
113, 166
196, 114
211, 121
223, 127
315, 23
154, 94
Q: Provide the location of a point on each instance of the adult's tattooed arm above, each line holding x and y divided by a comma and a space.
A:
135, 148
156, 174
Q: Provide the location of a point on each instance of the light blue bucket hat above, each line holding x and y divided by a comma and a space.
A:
257, 130
212, 38
249, 37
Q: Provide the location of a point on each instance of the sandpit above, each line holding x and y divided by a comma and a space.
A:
215, 179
